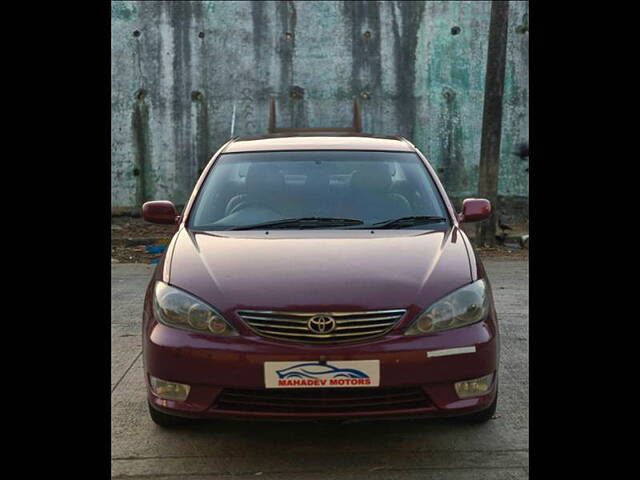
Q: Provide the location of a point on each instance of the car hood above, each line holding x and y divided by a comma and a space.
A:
320, 270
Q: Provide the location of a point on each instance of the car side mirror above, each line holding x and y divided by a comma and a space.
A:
160, 211
474, 210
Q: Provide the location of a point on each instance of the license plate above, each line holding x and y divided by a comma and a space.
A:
338, 374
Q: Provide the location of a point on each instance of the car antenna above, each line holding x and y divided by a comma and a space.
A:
356, 128
233, 118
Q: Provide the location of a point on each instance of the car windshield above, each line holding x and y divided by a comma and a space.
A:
318, 189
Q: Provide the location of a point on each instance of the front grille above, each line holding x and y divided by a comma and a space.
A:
294, 326
321, 400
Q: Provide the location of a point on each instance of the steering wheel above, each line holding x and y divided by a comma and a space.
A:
244, 204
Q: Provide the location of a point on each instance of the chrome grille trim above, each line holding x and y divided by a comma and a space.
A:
292, 326
358, 327
251, 317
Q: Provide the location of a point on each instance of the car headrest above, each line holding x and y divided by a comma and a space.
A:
372, 176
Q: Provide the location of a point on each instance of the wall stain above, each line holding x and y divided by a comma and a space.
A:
247, 109
201, 130
286, 23
297, 107
123, 10
142, 148
454, 178
366, 67
181, 15
259, 21
404, 49
263, 53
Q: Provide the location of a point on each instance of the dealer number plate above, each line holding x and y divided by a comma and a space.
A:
313, 374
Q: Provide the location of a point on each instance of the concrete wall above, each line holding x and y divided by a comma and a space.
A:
179, 69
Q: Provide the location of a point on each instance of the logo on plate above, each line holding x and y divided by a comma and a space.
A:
321, 324
318, 370
317, 374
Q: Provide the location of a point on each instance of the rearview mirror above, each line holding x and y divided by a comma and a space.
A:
160, 211
474, 210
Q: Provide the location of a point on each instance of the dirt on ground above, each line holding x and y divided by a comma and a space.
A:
503, 252
135, 241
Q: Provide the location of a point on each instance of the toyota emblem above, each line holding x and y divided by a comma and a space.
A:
321, 324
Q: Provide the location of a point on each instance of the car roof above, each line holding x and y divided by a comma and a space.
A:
330, 140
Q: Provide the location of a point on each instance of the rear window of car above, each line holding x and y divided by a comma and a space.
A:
246, 188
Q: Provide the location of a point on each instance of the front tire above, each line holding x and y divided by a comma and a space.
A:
165, 420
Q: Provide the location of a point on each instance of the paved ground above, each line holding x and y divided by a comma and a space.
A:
438, 450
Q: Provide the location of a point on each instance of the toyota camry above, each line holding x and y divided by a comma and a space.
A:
319, 274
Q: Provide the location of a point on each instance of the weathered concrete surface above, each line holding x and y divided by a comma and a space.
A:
439, 450
179, 69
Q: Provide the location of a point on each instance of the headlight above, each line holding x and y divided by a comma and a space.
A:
465, 306
176, 308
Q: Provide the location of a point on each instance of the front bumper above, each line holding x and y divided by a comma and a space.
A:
218, 368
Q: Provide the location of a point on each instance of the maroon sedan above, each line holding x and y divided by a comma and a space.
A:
317, 276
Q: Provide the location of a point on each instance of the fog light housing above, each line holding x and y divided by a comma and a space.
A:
475, 387
169, 390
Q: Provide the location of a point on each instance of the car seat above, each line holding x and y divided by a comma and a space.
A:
370, 196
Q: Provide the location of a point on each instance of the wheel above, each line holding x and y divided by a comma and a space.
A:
164, 420
483, 415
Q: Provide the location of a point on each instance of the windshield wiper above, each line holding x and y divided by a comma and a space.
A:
303, 222
408, 221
